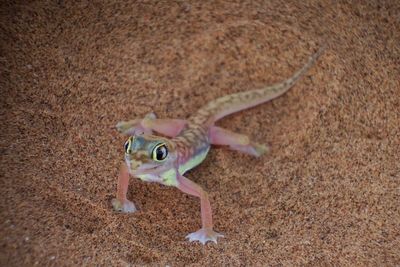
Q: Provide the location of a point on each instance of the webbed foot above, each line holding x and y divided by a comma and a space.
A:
125, 206
127, 127
135, 127
253, 149
260, 149
203, 235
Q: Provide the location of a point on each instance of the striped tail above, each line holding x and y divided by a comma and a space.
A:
229, 104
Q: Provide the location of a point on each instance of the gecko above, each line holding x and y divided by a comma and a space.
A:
181, 145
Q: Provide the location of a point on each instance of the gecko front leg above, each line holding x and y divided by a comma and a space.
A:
206, 233
240, 142
121, 203
168, 127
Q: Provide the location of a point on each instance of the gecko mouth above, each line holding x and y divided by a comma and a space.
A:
150, 169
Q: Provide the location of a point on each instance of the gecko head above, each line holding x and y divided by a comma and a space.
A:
149, 154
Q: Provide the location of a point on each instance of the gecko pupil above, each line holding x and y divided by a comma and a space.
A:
126, 146
161, 152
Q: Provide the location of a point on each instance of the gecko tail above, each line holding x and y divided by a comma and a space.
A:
229, 104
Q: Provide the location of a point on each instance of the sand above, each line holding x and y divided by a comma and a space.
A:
328, 192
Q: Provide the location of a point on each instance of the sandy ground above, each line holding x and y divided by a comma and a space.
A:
327, 193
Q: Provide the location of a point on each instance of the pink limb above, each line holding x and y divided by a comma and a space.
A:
206, 233
121, 203
240, 142
167, 127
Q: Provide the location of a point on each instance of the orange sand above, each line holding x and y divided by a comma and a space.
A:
328, 192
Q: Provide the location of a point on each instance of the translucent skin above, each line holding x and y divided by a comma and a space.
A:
187, 143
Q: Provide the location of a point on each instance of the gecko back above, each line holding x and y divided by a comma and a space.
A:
229, 104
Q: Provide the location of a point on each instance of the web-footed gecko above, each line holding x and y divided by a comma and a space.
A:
165, 160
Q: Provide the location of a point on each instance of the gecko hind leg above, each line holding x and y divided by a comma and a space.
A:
168, 127
235, 141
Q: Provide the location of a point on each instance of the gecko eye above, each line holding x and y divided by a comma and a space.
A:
160, 152
128, 145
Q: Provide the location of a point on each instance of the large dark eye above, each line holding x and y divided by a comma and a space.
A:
160, 152
128, 145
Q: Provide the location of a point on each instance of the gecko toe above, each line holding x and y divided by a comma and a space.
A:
125, 206
204, 235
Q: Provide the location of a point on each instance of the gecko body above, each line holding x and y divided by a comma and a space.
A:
186, 143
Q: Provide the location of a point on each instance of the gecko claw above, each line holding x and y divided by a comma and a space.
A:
203, 235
